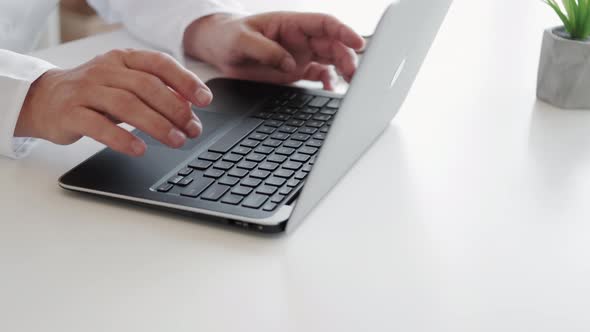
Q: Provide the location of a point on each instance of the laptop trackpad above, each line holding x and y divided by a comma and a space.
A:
211, 122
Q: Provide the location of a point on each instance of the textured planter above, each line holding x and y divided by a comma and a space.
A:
564, 71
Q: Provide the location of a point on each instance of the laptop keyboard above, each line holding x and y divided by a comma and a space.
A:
265, 159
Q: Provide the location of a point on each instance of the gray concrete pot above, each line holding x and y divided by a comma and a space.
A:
564, 71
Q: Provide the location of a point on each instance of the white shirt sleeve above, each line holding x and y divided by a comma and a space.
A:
17, 72
162, 23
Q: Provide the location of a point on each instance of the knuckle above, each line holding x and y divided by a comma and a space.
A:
116, 53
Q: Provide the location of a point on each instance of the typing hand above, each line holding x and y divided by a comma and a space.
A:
147, 90
279, 47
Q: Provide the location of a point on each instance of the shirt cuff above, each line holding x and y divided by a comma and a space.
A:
17, 73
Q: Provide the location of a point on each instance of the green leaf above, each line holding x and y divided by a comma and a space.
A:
570, 8
561, 15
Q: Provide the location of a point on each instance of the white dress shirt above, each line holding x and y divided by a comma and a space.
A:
160, 23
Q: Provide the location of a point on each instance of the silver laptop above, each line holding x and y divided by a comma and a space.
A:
269, 153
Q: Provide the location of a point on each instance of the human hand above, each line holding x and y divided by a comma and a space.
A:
148, 90
279, 47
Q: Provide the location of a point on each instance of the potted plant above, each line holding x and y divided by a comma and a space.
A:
564, 69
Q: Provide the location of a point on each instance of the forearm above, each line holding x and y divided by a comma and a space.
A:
162, 25
17, 73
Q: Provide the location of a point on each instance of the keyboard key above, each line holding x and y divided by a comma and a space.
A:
307, 168
266, 190
264, 150
275, 158
234, 136
175, 179
268, 166
238, 172
295, 123
210, 156
251, 182
293, 144
266, 130
312, 160
280, 136
314, 143
300, 175
292, 165
165, 187
289, 110
314, 124
185, 171
224, 165
303, 116
272, 143
200, 164
293, 183
322, 117
263, 115
185, 182
300, 137
328, 111
288, 129
250, 143
242, 150
299, 157
308, 130
285, 191
258, 136
256, 157
334, 103
320, 136
255, 201
319, 102
284, 173
277, 198
308, 150
197, 187
281, 117
215, 192
310, 110
241, 190
260, 174
299, 101
214, 173
273, 123
232, 199
285, 151
275, 181
247, 165
232, 157
269, 206
229, 181
324, 130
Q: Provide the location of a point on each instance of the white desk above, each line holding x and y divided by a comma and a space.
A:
470, 214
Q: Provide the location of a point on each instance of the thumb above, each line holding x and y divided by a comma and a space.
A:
256, 46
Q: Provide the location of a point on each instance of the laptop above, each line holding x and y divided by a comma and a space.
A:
269, 153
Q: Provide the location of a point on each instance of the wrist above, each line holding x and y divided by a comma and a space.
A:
29, 124
200, 36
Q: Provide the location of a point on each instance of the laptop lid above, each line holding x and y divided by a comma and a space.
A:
386, 73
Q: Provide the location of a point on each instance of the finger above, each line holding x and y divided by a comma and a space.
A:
152, 91
339, 55
321, 25
163, 66
266, 51
127, 107
89, 123
321, 73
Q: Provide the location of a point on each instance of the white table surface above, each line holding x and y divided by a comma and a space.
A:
469, 214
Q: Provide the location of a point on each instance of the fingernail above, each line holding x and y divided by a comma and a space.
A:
288, 65
138, 147
204, 97
193, 128
176, 137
